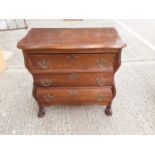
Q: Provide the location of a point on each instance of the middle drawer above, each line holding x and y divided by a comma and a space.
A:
73, 79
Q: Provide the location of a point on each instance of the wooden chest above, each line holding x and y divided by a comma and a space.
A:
72, 65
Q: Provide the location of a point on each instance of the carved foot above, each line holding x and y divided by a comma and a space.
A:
108, 110
41, 112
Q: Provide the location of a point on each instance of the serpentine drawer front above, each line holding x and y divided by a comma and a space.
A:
73, 79
74, 66
74, 95
41, 63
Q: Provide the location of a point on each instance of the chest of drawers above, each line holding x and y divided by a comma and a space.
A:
73, 66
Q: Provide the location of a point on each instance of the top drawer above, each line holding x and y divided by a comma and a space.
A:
48, 63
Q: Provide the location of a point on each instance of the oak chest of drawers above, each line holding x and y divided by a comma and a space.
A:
72, 65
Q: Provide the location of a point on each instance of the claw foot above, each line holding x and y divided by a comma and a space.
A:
41, 112
108, 110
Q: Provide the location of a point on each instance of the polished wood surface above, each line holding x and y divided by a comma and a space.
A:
48, 63
74, 95
73, 79
71, 38
72, 66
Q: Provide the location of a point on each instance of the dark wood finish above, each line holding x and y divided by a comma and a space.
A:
72, 66
49, 63
74, 95
41, 111
108, 110
71, 38
73, 79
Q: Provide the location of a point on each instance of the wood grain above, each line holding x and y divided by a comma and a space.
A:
74, 95
71, 38
72, 66
50, 63
73, 79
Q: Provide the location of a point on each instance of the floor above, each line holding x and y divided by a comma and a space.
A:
133, 106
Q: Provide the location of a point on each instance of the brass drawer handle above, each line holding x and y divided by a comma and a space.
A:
100, 81
101, 63
72, 57
46, 82
100, 98
43, 64
73, 92
49, 98
73, 76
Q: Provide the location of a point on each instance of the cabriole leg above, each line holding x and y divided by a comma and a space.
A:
108, 110
41, 112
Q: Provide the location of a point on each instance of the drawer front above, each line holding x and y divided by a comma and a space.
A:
73, 79
75, 95
43, 63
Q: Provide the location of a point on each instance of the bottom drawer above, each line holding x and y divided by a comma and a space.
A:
76, 95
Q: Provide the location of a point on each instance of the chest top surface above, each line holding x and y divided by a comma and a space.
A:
71, 38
